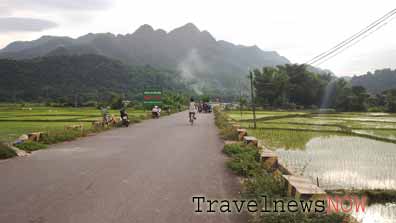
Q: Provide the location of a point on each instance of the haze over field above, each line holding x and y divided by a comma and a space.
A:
298, 30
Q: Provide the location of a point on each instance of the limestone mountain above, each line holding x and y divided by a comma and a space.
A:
197, 55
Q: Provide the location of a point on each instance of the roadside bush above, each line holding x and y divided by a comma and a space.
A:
62, 136
229, 133
6, 152
31, 146
263, 183
243, 159
220, 118
232, 149
226, 131
244, 164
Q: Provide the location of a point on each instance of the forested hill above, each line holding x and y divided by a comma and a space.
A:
376, 82
196, 54
88, 77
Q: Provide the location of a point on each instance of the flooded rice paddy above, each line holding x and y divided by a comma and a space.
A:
344, 162
339, 150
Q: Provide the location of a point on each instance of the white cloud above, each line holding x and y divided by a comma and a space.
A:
298, 30
13, 24
59, 4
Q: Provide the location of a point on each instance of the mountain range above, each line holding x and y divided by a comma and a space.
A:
376, 82
195, 54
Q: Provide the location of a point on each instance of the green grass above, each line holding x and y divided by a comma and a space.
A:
288, 139
243, 160
247, 115
227, 132
6, 152
16, 120
31, 146
378, 126
11, 130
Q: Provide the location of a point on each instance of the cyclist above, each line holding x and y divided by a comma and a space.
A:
192, 109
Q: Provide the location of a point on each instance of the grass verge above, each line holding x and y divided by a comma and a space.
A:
227, 132
31, 146
6, 152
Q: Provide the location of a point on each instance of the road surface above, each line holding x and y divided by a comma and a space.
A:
145, 173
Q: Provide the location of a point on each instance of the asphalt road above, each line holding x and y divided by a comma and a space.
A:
145, 173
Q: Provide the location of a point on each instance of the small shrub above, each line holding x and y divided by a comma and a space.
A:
30, 146
232, 149
229, 133
263, 183
243, 160
6, 152
61, 136
220, 119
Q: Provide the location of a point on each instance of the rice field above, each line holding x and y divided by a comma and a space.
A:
342, 150
248, 115
363, 144
17, 120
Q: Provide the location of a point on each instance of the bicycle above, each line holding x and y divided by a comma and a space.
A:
191, 118
191, 121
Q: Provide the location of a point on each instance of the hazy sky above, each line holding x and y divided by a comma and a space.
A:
298, 30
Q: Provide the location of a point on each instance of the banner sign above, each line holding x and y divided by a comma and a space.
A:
152, 97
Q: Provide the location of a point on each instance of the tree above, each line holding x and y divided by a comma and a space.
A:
391, 100
289, 84
263, 85
359, 99
116, 101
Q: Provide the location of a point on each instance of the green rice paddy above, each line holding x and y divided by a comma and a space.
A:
17, 120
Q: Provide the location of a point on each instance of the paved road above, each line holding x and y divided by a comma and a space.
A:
145, 173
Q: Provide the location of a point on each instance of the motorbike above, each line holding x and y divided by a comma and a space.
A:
125, 121
124, 118
155, 115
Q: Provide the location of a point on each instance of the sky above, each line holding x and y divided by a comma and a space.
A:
298, 30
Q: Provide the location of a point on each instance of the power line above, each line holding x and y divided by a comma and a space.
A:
373, 25
353, 37
349, 46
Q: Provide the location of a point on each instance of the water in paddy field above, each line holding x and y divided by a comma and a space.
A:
344, 162
377, 213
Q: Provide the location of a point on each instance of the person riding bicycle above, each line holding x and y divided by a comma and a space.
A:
192, 109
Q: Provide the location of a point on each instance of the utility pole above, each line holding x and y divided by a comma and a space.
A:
253, 100
240, 97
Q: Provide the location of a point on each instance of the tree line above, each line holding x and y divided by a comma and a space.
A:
83, 80
294, 86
